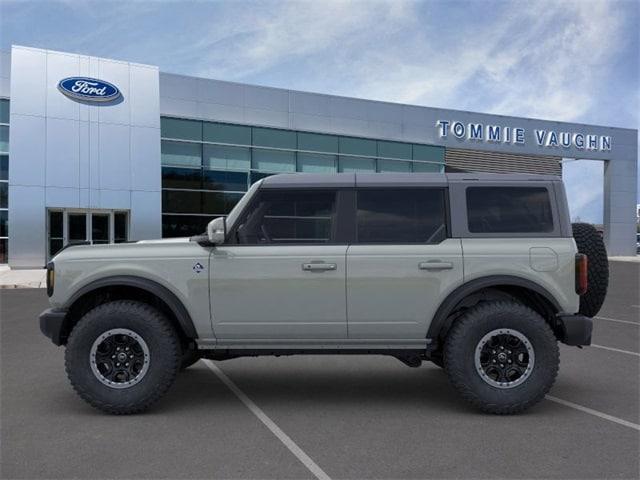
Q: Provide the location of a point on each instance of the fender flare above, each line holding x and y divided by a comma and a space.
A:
163, 293
460, 293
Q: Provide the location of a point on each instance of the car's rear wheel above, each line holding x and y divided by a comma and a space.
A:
502, 357
122, 356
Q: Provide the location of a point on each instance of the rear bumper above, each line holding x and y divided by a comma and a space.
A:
575, 329
52, 323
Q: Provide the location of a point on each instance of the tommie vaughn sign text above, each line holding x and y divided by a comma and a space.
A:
516, 135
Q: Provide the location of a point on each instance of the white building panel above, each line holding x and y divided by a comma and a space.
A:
62, 166
27, 142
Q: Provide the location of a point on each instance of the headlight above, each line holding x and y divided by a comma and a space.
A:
51, 278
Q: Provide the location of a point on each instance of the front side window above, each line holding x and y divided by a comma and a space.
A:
289, 217
509, 210
411, 215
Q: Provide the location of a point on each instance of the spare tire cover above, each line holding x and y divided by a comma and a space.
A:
591, 244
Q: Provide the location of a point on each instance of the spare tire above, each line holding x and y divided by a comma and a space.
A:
591, 244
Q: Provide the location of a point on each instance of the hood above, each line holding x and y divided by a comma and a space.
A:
166, 240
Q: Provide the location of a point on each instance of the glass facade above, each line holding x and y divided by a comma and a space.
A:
4, 180
207, 166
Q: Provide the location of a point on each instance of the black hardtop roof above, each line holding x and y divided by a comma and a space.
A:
319, 180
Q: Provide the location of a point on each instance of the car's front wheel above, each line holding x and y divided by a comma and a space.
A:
122, 356
502, 357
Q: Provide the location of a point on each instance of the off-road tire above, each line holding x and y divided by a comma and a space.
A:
165, 356
589, 242
463, 339
189, 357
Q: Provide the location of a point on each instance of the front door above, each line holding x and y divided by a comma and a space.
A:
282, 274
65, 227
402, 263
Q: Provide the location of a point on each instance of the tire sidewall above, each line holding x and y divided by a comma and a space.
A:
461, 364
163, 354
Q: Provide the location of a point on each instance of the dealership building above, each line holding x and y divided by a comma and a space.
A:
102, 150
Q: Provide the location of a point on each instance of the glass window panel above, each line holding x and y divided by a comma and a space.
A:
255, 176
4, 221
120, 233
394, 150
180, 153
289, 217
316, 163
177, 201
4, 167
274, 160
271, 137
178, 128
4, 139
173, 177
317, 142
219, 203
358, 146
509, 210
4, 251
4, 111
222, 180
55, 245
230, 200
55, 224
77, 225
4, 194
233, 158
357, 164
393, 166
428, 167
184, 225
428, 153
100, 228
401, 215
225, 133
213, 202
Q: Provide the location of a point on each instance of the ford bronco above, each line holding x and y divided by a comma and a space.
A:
481, 274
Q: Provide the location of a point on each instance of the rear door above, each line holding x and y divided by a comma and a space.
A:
402, 263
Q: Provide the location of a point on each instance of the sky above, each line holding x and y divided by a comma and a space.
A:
558, 60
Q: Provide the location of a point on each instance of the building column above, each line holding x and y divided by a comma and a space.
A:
620, 199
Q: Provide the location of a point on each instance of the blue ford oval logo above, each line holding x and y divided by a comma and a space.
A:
89, 89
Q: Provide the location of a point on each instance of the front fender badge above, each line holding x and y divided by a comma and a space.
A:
198, 267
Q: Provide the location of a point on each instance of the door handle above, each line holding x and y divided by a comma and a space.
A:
435, 265
319, 267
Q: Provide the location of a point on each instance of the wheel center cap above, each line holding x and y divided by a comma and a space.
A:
122, 357
502, 357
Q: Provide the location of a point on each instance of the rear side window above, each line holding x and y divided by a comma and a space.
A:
401, 215
509, 210
289, 217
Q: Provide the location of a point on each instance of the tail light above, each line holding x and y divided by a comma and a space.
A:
582, 280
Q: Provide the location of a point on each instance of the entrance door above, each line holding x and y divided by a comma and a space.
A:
65, 227
283, 274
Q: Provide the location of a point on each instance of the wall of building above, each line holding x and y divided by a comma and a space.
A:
70, 154
220, 101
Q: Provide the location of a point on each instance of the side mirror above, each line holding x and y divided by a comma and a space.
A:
217, 230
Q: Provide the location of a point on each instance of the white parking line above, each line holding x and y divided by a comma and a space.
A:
615, 349
618, 321
591, 411
270, 424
